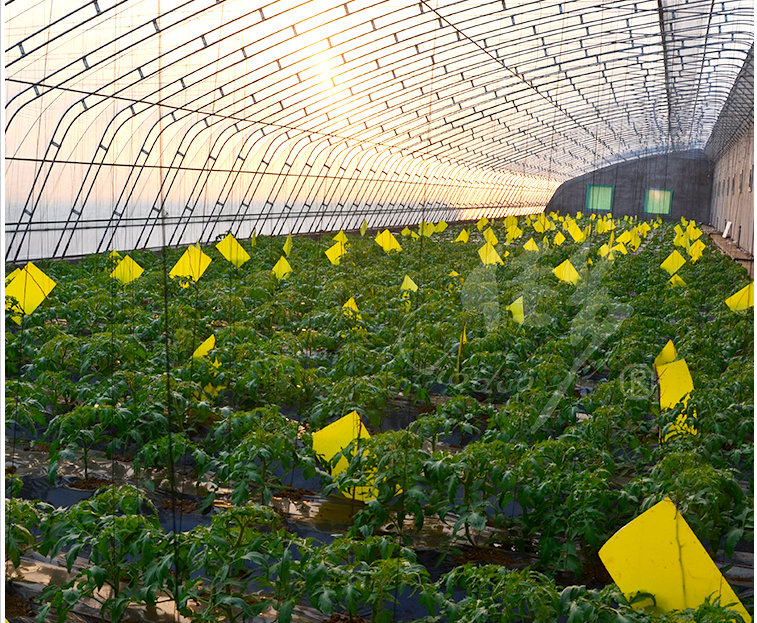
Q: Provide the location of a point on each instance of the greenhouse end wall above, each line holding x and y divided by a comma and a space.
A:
689, 175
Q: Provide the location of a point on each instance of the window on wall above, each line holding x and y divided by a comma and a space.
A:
599, 198
658, 201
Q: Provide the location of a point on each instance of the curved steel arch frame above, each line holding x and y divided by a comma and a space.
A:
216, 115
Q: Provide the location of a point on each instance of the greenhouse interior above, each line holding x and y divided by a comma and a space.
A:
435, 311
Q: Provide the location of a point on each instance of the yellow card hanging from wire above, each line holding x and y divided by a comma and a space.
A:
566, 272
191, 265
408, 284
230, 248
204, 348
743, 299
335, 253
28, 289
333, 439
282, 268
658, 554
127, 270
351, 310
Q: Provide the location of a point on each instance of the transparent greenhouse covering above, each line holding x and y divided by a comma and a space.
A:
134, 124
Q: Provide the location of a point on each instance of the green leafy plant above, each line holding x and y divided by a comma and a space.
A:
119, 543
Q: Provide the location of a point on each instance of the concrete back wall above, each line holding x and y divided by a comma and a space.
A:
733, 191
688, 174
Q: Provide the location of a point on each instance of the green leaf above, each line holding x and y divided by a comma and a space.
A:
285, 610
71, 595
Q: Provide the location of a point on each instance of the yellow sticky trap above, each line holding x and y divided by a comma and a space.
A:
682, 426
667, 355
462, 236
351, 310
334, 438
12, 275
620, 247
440, 227
659, 554
253, 239
566, 272
127, 270
363, 227
675, 383
341, 237
191, 265
387, 241
230, 248
673, 262
682, 241
213, 391
575, 232
601, 228
408, 284
743, 299
463, 338
693, 233
604, 250
490, 237
625, 237
426, 229
676, 282
483, 222
539, 227
455, 282
288, 245
516, 308
204, 348
335, 253
406, 232
530, 245
579, 216
282, 268
695, 250
511, 221
489, 255
545, 242
513, 233
559, 239
29, 287
414, 236
592, 217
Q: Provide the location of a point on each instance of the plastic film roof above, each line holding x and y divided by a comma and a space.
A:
139, 123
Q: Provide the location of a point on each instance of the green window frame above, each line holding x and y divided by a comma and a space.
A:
658, 201
599, 198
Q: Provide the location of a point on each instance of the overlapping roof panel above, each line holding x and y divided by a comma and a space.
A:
136, 123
